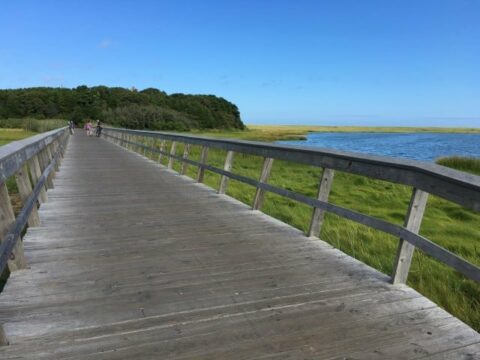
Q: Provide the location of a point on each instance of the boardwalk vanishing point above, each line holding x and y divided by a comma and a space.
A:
132, 260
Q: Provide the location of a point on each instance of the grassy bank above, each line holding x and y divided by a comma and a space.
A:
32, 125
445, 223
294, 132
8, 135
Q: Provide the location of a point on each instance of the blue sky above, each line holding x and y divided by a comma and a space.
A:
337, 62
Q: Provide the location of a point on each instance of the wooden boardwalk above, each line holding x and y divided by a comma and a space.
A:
155, 266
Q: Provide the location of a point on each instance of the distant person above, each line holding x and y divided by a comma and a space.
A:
88, 128
98, 129
71, 127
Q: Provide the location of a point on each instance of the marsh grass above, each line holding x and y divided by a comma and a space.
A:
9, 135
33, 125
467, 164
299, 132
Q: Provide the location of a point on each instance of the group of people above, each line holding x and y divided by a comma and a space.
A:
89, 128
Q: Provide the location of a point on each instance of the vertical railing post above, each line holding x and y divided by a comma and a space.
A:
25, 190
51, 176
153, 144
418, 203
222, 188
3, 337
144, 142
173, 151
260, 193
162, 149
318, 215
203, 160
186, 152
55, 147
35, 171
7, 218
43, 159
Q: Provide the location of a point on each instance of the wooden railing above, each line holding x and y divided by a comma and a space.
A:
458, 187
33, 162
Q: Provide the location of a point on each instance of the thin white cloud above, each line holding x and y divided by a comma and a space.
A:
105, 43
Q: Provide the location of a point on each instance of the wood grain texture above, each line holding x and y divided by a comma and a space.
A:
158, 266
413, 221
326, 181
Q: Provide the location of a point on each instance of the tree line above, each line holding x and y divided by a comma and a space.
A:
146, 109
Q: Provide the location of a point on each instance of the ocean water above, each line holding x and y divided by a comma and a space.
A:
417, 146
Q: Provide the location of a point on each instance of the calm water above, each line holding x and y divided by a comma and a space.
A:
417, 146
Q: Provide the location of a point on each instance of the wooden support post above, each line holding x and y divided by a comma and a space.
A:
260, 193
55, 147
7, 218
203, 160
324, 188
35, 171
25, 190
153, 148
43, 160
162, 149
48, 160
222, 188
3, 337
144, 142
186, 152
50, 155
418, 203
173, 151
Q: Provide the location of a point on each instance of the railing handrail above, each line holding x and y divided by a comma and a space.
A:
464, 188
461, 188
33, 162
14, 154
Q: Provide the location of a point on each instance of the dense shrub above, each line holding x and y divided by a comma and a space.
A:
149, 108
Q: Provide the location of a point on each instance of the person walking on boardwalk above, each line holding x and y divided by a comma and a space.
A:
71, 127
98, 130
88, 128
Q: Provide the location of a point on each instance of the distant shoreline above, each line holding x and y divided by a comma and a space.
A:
300, 132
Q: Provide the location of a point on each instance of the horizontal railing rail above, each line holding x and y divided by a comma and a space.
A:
33, 162
458, 187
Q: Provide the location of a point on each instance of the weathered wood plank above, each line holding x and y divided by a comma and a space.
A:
405, 250
324, 188
7, 218
260, 193
203, 160
173, 151
227, 166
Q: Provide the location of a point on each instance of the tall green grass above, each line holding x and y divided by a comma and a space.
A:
8, 135
467, 164
32, 125
447, 224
